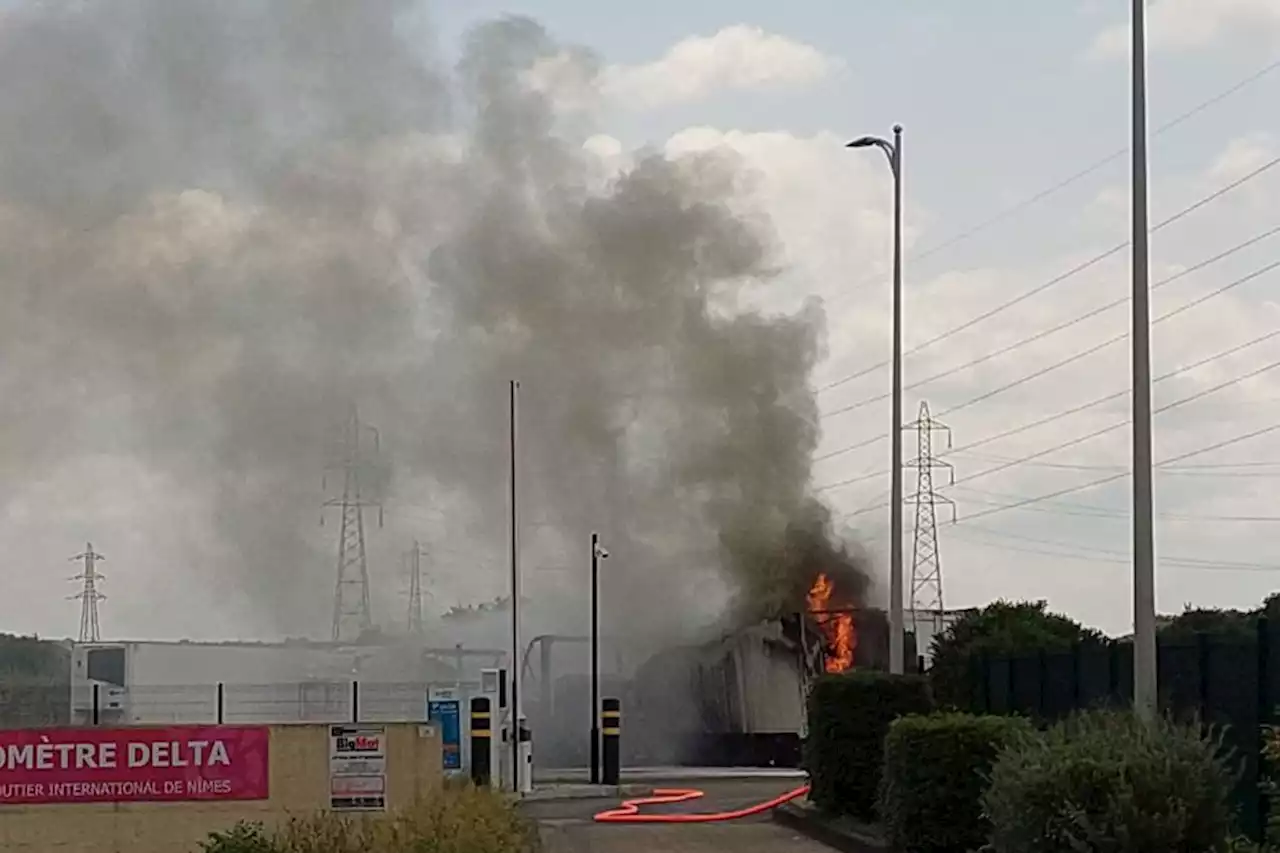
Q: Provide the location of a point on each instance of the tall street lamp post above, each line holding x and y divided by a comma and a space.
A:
893, 150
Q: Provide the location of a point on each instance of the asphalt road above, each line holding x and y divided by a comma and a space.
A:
567, 826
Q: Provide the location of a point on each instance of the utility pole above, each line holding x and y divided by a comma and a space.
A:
1144, 580
88, 596
415, 590
352, 614
926, 560
517, 697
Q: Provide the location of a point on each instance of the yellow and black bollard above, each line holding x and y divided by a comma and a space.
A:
611, 729
481, 732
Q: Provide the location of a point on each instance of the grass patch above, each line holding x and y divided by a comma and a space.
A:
454, 819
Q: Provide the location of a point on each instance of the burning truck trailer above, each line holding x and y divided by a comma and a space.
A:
739, 700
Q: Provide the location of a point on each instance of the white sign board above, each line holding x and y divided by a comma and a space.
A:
358, 768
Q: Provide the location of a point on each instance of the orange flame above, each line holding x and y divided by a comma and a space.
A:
837, 628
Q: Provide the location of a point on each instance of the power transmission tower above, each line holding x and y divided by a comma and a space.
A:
415, 589
352, 615
88, 596
926, 562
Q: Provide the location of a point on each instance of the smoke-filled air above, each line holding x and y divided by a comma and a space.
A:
225, 224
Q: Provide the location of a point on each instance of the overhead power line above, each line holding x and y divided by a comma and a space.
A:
1070, 508
977, 528
1253, 464
852, 480
1098, 401
1095, 166
1101, 556
1076, 270
1112, 478
1096, 433
1111, 341
1008, 212
1074, 410
875, 439
1066, 324
1189, 470
1104, 430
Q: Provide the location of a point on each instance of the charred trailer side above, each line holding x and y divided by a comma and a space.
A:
740, 700
734, 702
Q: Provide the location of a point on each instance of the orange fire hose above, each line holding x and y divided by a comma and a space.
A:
629, 811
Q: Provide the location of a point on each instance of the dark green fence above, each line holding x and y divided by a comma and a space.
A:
1230, 683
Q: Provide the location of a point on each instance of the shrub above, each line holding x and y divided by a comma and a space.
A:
935, 773
1107, 781
1270, 786
1270, 783
241, 838
848, 718
1003, 629
1229, 625
455, 819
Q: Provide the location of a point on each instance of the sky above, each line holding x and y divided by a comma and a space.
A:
1004, 106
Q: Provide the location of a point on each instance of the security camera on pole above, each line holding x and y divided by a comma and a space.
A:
598, 553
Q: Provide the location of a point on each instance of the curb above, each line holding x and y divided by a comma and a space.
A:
585, 792
843, 838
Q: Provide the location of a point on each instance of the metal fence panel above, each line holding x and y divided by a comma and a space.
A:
1224, 682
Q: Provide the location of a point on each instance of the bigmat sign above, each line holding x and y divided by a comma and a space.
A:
169, 764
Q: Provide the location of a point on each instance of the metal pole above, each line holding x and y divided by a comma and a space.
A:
517, 698
547, 700
595, 658
1144, 593
896, 656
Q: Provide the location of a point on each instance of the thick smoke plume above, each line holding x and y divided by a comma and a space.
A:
224, 223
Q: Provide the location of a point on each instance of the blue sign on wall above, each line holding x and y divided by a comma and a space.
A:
444, 709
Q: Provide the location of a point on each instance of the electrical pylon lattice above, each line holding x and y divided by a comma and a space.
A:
926, 562
88, 596
352, 613
415, 590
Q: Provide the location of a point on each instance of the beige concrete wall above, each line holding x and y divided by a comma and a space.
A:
299, 765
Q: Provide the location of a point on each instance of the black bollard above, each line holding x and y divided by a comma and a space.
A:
611, 729
481, 732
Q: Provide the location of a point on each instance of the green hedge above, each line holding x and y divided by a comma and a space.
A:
1106, 781
935, 773
848, 718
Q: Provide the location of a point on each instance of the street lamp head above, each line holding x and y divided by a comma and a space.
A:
863, 142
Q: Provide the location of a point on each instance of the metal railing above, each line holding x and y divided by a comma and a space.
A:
26, 705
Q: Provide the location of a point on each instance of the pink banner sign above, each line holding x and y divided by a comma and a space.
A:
169, 764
